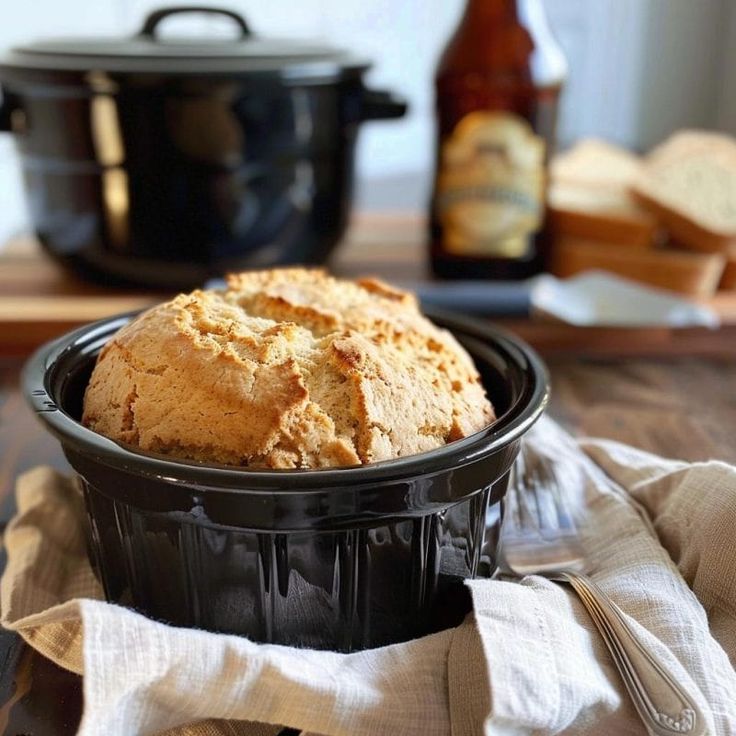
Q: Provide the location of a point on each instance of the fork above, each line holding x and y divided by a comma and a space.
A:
539, 537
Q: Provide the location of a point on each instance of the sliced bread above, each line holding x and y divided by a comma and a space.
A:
598, 163
607, 214
728, 280
589, 195
694, 274
689, 183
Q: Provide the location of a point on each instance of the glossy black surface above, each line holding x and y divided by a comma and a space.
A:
341, 559
168, 168
154, 50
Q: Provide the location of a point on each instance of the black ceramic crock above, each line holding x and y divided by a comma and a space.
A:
165, 162
340, 559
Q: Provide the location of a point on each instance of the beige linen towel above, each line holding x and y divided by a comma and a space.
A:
528, 661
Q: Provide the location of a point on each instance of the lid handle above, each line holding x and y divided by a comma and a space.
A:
154, 18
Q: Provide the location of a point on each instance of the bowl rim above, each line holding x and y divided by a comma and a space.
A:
40, 373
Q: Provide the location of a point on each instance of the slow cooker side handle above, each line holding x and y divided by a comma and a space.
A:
8, 105
382, 105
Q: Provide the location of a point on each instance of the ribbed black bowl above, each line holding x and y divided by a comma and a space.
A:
341, 559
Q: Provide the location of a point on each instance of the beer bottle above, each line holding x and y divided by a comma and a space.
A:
497, 87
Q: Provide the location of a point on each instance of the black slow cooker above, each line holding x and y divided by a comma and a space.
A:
164, 162
340, 558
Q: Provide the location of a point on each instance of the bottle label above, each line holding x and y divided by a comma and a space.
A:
490, 186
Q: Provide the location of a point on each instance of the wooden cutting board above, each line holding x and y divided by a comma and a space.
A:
40, 300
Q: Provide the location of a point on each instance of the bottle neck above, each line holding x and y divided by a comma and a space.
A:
484, 12
506, 34
490, 11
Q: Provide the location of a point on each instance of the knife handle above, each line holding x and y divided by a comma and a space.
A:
498, 298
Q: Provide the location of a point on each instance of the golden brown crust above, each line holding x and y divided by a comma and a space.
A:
685, 230
286, 368
598, 213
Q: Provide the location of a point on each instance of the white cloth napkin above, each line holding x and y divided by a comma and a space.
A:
528, 661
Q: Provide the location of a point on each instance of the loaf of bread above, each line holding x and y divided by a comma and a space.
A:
589, 196
286, 368
689, 183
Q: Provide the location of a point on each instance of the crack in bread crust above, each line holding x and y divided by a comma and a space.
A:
286, 368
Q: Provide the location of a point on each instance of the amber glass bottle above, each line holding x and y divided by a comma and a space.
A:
497, 87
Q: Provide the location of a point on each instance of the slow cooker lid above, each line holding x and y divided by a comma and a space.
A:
148, 51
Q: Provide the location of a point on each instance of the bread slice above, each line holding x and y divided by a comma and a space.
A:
728, 280
608, 214
694, 274
689, 183
596, 163
589, 195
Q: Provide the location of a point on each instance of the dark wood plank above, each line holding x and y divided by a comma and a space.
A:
23, 442
683, 408
557, 339
41, 698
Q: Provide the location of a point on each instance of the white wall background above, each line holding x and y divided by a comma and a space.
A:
639, 69
727, 92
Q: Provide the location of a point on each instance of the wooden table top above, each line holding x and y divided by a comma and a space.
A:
39, 299
676, 402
